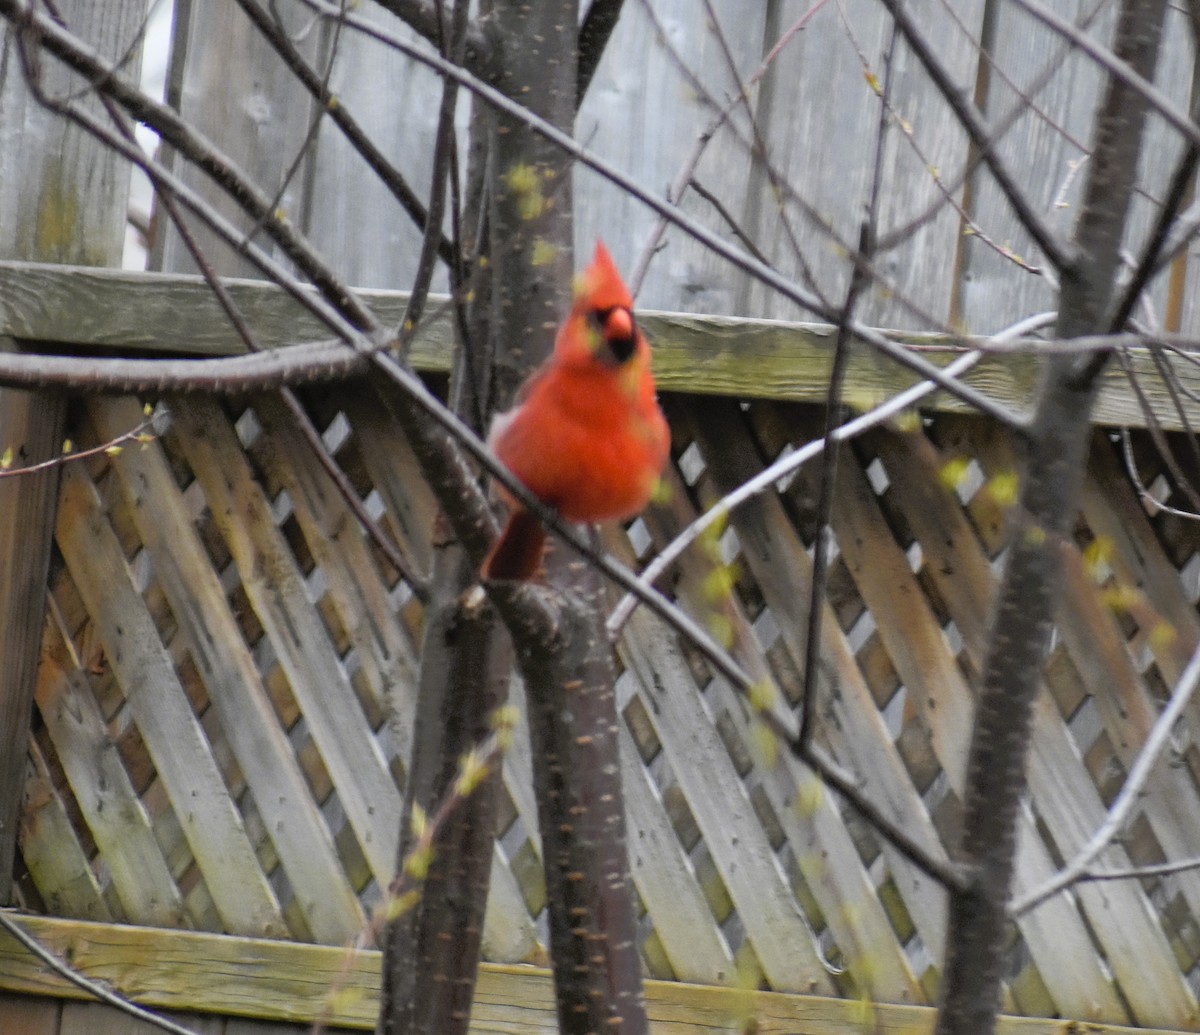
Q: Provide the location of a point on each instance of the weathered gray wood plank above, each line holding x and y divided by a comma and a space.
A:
994, 291
288, 982
236, 91
62, 199
184, 571
642, 76
819, 116
115, 817
164, 717
373, 84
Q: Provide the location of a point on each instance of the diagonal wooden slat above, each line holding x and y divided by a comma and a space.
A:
339, 549
1169, 800
164, 717
1113, 511
665, 880
662, 873
115, 817
394, 471
1099, 653
275, 587
52, 853
509, 935
199, 604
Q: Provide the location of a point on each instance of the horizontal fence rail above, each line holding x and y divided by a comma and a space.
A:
156, 314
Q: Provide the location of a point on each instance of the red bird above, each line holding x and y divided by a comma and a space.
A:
586, 435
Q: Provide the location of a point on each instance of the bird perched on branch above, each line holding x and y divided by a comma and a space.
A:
585, 434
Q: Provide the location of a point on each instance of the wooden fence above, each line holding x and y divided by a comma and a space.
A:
224, 695
228, 669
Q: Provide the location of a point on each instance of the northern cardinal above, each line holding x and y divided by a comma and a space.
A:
585, 434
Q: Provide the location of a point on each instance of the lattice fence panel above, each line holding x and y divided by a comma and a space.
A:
227, 686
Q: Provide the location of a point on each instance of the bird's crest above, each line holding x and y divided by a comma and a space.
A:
600, 285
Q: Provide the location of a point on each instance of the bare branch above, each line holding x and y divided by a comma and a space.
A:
1144, 494
387, 173
665, 208
1057, 253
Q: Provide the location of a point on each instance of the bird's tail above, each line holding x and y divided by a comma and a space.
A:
517, 554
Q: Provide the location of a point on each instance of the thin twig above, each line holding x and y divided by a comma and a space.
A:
738, 231
93, 988
827, 478
793, 461
1139, 872
1058, 253
361, 141
1121, 809
141, 433
1146, 496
